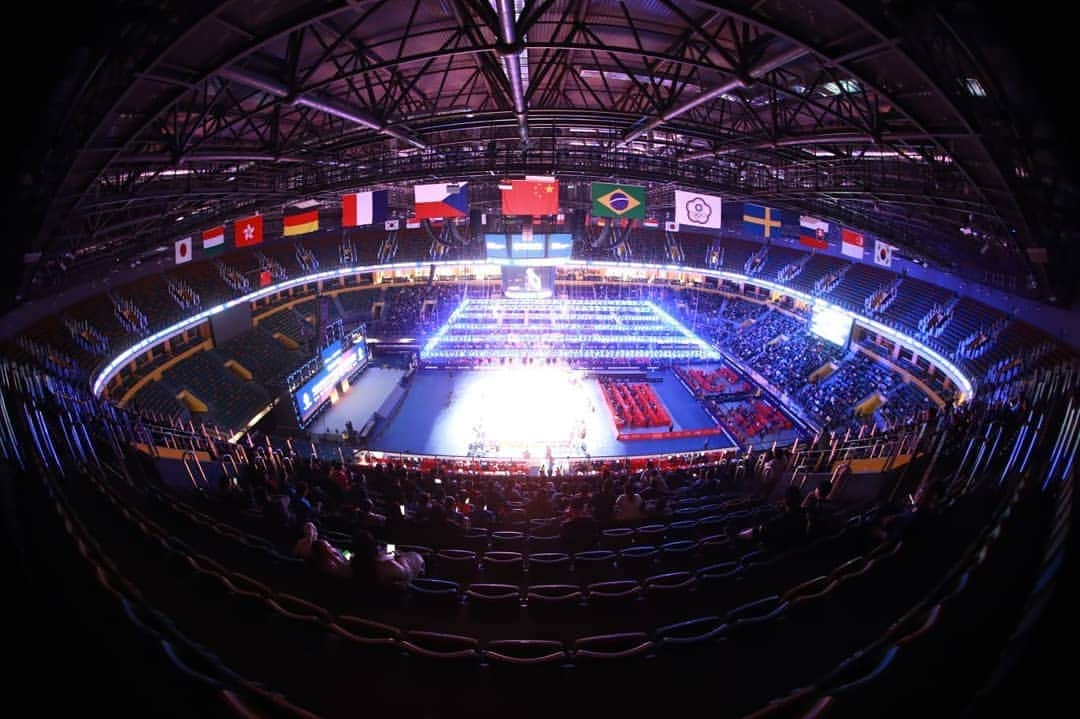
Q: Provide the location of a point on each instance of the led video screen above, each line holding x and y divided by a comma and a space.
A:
831, 324
316, 392
528, 281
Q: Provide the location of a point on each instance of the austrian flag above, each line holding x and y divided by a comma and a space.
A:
248, 231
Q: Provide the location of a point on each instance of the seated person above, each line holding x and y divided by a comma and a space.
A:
308, 536
329, 560
628, 505
373, 566
788, 528
579, 531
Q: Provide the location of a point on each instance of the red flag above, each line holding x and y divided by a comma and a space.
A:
265, 278
531, 197
248, 231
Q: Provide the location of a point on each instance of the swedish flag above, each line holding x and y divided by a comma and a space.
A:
760, 221
610, 200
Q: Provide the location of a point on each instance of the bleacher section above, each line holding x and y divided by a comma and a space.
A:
263, 356
156, 398
230, 400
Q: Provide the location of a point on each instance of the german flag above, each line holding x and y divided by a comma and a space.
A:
301, 224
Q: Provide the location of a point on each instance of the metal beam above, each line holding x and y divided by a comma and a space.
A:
316, 102
509, 51
762, 68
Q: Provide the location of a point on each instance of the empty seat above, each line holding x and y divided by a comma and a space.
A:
543, 544
554, 602
616, 538
679, 554
504, 567
595, 565
531, 658
550, 568
434, 595
613, 599
475, 540
457, 565
672, 592
650, 534
622, 648
639, 561
683, 529
493, 602
449, 654
508, 541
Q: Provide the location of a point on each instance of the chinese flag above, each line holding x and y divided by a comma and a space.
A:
248, 231
531, 197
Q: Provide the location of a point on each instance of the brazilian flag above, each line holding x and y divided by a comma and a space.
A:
610, 200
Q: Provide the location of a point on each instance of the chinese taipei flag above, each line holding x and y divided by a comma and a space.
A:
444, 200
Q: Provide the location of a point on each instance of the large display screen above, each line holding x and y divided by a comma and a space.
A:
831, 324
527, 247
496, 247
528, 281
559, 245
340, 362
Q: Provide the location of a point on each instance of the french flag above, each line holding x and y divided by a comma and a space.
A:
360, 209
442, 200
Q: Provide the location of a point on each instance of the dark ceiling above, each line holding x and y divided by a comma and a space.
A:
927, 124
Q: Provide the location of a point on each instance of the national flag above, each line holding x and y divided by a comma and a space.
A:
442, 200
364, 208
651, 222
883, 253
248, 231
213, 240
671, 226
265, 278
626, 201
411, 223
851, 243
183, 250
697, 210
760, 221
812, 232
300, 224
531, 197
392, 225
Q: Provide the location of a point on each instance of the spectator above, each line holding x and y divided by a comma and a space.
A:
789, 528
374, 567
580, 530
308, 535
628, 506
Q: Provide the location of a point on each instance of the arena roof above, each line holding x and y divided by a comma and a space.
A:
887, 117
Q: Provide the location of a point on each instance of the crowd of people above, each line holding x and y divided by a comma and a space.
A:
833, 399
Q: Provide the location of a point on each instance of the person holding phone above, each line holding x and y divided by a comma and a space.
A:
383, 567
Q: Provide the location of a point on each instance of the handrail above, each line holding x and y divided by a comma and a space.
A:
191, 475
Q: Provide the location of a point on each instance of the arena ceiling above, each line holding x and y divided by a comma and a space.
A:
878, 115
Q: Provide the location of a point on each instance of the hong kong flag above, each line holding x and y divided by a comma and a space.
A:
248, 231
